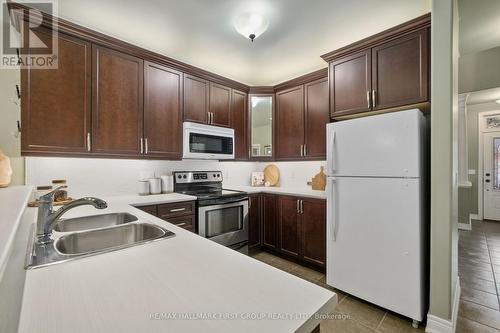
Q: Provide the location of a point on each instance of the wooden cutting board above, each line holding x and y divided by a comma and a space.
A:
35, 203
318, 181
271, 175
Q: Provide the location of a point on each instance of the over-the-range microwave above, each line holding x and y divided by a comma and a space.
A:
207, 142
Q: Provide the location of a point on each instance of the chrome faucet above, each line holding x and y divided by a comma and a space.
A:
48, 218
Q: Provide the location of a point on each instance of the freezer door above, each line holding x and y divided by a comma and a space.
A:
375, 247
387, 145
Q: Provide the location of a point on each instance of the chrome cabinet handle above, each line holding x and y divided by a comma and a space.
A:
180, 224
142, 146
301, 150
368, 100
146, 146
89, 142
177, 210
305, 149
374, 98
302, 206
298, 206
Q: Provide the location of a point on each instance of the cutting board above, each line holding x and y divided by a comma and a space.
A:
318, 181
271, 175
35, 203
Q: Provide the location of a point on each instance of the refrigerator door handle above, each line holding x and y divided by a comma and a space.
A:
330, 146
331, 209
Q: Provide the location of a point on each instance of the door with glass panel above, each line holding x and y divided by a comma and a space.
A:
491, 176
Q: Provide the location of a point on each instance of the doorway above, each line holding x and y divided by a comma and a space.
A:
491, 175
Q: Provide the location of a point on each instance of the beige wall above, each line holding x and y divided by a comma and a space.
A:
468, 197
479, 71
444, 187
9, 115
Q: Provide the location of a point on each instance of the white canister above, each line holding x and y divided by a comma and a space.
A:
155, 185
143, 187
167, 184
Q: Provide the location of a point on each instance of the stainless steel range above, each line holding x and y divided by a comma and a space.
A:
222, 215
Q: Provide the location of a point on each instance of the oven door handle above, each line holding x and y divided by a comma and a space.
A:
225, 201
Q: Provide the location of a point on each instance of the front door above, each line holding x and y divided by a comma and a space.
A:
491, 176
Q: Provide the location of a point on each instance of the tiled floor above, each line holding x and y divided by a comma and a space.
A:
353, 314
479, 271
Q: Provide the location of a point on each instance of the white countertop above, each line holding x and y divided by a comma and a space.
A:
13, 200
302, 192
122, 291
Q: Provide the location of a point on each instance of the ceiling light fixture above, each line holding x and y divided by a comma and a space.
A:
251, 25
497, 101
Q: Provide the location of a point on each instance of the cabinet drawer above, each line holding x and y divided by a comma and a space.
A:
175, 209
186, 222
149, 209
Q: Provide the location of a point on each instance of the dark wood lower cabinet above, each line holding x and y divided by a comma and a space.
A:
182, 214
254, 221
313, 231
289, 225
269, 221
293, 226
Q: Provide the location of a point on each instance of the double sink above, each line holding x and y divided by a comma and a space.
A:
90, 235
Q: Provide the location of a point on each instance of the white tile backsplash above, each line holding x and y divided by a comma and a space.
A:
107, 177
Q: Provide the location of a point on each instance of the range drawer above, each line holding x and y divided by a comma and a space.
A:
167, 211
186, 222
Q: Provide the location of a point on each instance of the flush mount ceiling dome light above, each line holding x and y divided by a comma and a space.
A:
251, 25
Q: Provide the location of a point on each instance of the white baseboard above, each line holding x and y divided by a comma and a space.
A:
440, 325
474, 217
465, 226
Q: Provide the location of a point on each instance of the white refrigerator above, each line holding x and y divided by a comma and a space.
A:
377, 217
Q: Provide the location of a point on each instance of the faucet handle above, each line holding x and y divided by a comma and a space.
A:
49, 197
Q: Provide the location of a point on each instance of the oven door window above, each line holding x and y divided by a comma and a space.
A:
223, 220
212, 144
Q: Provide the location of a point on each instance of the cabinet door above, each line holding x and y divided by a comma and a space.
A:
117, 95
316, 117
269, 221
196, 92
290, 123
220, 104
149, 209
162, 111
289, 225
56, 103
254, 220
400, 71
350, 84
239, 124
313, 231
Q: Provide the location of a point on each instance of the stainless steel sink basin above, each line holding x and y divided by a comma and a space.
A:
94, 222
104, 239
92, 242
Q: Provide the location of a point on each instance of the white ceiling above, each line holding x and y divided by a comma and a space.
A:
479, 25
201, 33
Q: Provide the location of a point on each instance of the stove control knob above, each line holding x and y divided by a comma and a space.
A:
184, 176
215, 176
179, 176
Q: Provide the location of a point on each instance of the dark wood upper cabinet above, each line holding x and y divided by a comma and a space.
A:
162, 111
239, 124
220, 105
316, 118
313, 231
400, 71
289, 225
290, 123
254, 220
117, 96
269, 221
350, 84
196, 97
56, 103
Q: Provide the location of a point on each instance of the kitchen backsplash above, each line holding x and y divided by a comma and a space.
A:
105, 177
